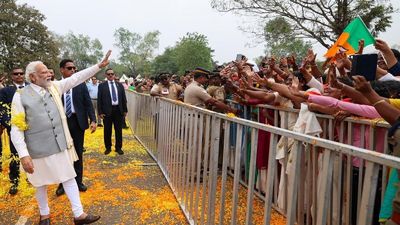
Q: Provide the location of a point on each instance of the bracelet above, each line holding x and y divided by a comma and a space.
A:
378, 102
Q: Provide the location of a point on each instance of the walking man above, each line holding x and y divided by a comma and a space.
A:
39, 131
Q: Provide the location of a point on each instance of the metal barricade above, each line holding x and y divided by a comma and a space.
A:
193, 146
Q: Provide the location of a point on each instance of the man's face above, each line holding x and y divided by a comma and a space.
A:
68, 69
110, 75
42, 76
18, 76
51, 71
164, 80
202, 80
94, 80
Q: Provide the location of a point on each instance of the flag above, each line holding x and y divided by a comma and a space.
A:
348, 40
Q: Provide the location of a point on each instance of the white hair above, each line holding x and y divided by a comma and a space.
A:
31, 68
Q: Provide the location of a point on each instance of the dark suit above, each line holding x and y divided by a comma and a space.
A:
113, 114
78, 123
6, 96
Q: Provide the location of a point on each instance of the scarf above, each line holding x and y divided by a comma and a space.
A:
70, 143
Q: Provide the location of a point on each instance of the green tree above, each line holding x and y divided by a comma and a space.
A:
281, 40
320, 20
193, 51
165, 62
23, 37
80, 48
136, 52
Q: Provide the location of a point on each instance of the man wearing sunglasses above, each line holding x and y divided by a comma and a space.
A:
112, 108
78, 107
6, 96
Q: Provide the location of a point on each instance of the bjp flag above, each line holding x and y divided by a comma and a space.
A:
348, 40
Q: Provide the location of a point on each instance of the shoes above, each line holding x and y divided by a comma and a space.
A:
82, 187
13, 189
125, 127
60, 190
100, 125
45, 221
88, 219
120, 152
107, 151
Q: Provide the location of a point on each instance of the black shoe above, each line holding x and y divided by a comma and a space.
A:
107, 151
13, 189
82, 187
45, 222
60, 190
87, 220
120, 152
100, 125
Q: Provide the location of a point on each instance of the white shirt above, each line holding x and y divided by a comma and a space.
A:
17, 135
388, 77
110, 83
72, 101
19, 85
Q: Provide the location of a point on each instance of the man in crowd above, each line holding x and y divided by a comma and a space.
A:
41, 136
112, 108
51, 71
196, 95
6, 96
165, 88
93, 87
215, 90
78, 107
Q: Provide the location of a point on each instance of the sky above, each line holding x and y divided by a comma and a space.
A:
173, 18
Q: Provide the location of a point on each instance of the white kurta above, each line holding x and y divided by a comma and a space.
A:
57, 168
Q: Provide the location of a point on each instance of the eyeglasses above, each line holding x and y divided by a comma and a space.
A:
110, 74
70, 68
18, 73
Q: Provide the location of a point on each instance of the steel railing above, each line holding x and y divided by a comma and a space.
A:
192, 146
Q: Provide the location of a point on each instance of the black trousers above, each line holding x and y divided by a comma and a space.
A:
117, 119
77, 135
14, 163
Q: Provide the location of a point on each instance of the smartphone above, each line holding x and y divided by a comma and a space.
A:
239, 57
364, 65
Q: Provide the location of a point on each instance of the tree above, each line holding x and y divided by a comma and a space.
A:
166, 62
281, 40
80, 48
193, 51
23, 37
321, 20
136, 51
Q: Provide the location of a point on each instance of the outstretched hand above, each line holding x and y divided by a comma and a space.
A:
333, 82
361, 84
105, 61
382, 46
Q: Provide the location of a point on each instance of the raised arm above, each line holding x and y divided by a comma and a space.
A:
79, 77
387, 111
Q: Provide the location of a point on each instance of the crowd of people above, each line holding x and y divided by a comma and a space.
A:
57, 112
326, 88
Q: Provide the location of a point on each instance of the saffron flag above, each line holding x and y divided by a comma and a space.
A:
348, 40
